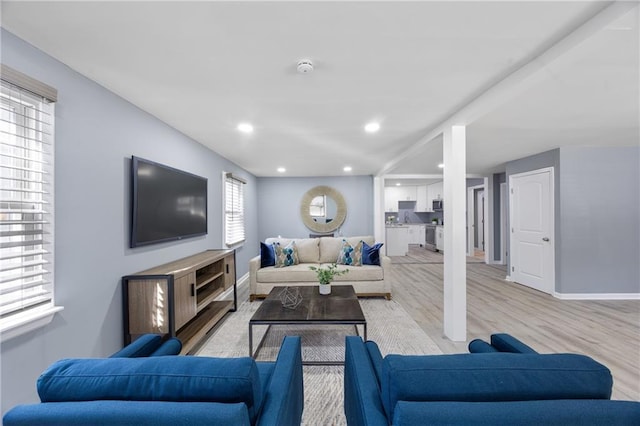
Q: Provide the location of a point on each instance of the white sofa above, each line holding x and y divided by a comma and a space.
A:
367, 280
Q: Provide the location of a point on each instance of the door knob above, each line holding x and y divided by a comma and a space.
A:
545, 239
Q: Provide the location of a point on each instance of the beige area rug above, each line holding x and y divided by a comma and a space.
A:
388, 324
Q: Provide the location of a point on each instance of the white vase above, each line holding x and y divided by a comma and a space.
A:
325, 289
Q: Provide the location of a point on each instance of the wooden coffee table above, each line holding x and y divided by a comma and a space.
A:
340, 307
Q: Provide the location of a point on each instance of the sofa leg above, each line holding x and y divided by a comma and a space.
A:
388, 296
252, 297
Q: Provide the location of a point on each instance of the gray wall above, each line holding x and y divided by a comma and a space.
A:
600, 220
535, 162
96, 134
279, 205
597, 206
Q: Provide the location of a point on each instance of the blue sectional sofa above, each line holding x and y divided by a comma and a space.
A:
507, 384
169, 390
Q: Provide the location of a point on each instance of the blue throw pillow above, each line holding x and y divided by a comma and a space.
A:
371, 254
267, 255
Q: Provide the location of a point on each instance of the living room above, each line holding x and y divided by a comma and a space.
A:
97, 131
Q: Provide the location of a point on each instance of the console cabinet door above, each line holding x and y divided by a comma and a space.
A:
229, 271
184, 299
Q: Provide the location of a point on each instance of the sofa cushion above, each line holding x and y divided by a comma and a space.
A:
168, 378
138, 413
291, 274
492, 377
286, 256
267, 255
350, 255
361, 273
584, 412
371, 254
308, 248
302, 274
330, 246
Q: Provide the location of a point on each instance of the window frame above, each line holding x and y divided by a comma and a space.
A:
230, 208
25, 102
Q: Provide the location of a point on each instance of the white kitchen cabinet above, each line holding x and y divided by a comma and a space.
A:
393, 194
440, 238
434, 192
397, 242
407, 193
416, 233
421, 199
391, 199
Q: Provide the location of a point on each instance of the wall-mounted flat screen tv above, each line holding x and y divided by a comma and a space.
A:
167, 204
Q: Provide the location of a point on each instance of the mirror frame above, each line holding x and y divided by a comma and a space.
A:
341, 209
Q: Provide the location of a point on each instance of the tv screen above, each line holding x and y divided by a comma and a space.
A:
167, 204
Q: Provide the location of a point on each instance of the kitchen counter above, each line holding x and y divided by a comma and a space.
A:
397, 241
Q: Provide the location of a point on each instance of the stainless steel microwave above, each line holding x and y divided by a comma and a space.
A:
437, 205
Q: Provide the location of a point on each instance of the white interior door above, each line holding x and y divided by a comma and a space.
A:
531, 219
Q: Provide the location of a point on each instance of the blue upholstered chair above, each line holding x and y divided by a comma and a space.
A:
507, 384
169, 390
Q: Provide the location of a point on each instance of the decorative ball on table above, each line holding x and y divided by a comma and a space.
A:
290, 298
325, 276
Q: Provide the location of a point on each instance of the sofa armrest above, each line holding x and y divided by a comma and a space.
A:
362, 399
478, 346
507, 343
385, 262
254, 265
143, 346
284, 397
173, 346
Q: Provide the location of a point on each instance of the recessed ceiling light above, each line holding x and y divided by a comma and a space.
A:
441, 166
245, 128
347, 168
281, 170
372, 127
398, 184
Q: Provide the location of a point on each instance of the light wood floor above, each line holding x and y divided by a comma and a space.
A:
608, 331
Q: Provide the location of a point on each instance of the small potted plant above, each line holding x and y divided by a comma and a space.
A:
325, 276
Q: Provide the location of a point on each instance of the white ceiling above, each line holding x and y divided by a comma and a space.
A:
536, 77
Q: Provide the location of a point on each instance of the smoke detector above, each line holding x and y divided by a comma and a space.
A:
305, 66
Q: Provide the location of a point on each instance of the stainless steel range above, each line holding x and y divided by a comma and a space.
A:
430, 237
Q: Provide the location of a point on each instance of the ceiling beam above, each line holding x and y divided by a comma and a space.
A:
518, 78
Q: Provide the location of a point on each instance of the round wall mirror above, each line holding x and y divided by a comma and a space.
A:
323, 209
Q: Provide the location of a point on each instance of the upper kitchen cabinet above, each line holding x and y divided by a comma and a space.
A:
434, 192
393, 194
421, 199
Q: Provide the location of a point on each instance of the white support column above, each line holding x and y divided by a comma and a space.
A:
378, 209
455, 236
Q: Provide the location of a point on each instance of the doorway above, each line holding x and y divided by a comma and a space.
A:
531, 217
476, 212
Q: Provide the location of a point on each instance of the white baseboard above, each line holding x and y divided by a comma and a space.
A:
597, 296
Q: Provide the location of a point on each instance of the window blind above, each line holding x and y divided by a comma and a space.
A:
26, 197
234, 210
